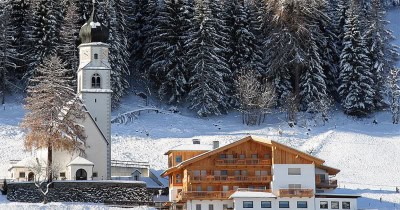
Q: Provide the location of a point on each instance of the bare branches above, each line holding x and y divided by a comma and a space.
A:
255, 97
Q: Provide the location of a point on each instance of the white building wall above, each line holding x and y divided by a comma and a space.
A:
218, 204
173, 192
353, 202
281, 179
274, 203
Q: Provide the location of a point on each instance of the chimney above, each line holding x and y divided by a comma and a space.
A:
215, 144
196, 141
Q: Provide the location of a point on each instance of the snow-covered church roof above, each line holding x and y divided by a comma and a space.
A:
80, 161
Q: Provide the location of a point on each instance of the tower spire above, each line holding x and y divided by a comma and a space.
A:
93, 30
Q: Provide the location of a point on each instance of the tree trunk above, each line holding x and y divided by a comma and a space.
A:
49, 162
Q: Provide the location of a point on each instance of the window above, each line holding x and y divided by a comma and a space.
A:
242, 156
267, 156
95, 100
62, 174
21, 174
210, 188
224, 173
294, 186
198, 206
302, 204
96, 81
210, 207
96, 56
198, 188
224, 206
346, 205
294, 171
254, 156
178, 179
323, 205
266, 204
222, 156
95, 174
136, 178
178, 159
284, 204
247, 204
335, 205
225, 188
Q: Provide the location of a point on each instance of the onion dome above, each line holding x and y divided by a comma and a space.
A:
93, 30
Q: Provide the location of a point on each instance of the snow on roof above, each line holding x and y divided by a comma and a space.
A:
80, 161
336, 195
150, 183
96, 90
249, 194
192, 147
26, 162
94, 24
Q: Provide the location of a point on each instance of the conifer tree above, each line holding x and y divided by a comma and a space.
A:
356, 79
208, 91
53, 111
168, 64
394, 83
8, 54
20, 19
381, 52
118, 50
44, 32
69, 33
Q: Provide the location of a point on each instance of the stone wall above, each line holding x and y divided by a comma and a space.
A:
81, 191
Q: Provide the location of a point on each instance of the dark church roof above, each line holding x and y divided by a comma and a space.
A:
93, 30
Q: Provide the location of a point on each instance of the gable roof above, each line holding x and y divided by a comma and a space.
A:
191, 147
318, 162
80, 161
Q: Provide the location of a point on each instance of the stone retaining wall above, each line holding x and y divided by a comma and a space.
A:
81, 191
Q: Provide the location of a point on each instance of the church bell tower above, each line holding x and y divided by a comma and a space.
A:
94, 76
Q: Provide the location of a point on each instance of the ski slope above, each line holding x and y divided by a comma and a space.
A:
368, 154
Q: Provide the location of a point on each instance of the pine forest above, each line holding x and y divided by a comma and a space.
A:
214, 56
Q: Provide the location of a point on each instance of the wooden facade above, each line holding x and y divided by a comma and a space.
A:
246, 164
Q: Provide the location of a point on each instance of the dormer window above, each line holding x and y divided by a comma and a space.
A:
96, 81
96, 56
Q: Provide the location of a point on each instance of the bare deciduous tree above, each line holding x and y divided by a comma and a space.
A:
255, 97
40, 170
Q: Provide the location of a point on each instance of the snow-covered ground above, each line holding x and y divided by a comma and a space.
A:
368, 154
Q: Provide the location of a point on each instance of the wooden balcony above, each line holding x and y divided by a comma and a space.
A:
206, 195
296, 193
229, 179
242, 162
330, 183
212, 195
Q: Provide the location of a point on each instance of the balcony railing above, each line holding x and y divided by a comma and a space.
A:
212, 178
332, 183
296, 192
201, 195
242, 162
329, 183
212, 195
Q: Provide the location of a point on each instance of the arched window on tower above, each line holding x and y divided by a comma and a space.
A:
96, 56
96, 81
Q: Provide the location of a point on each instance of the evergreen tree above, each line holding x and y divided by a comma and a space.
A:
208, 91
118, 51
20, 19
394, 82
69, 33
168, 64
356, 79
54, 109
381, 52
44, 32
8, 54
246, 54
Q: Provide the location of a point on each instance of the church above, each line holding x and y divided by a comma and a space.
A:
94, 89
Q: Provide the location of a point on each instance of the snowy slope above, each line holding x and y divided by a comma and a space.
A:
368, 154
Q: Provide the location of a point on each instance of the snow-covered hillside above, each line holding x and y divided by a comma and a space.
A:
368, 154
